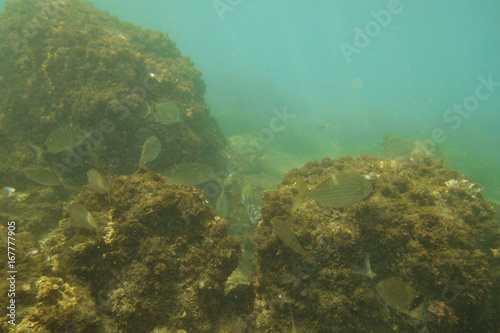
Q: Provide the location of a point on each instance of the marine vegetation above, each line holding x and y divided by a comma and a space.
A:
76, 84
430, 265
159, 261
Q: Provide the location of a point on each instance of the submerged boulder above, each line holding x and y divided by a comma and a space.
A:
160, 260
66, 64
426, 233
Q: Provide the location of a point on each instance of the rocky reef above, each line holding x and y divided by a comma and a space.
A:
157, 257
161, 257
65, 63
423, 224
160, 263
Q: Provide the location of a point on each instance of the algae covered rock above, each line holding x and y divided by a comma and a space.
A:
66, 64
428, 236
59, 307
163, 259
37, 211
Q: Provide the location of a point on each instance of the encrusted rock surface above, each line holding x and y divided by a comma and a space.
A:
413, 226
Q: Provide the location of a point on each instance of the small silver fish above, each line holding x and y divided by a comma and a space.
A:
31, 252
398, 295
64, 138
189, 174
150, 150
7, 191
97, 182
167, 113
253, 214
342, 190
37, 151
287, 236
82, 217
79, 247
222, 206
41, 176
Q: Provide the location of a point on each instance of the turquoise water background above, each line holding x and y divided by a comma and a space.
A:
349, 72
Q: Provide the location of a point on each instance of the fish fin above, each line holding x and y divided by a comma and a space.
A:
301, 197
294, 330
148, 112
38, 151
366, 269
141, 162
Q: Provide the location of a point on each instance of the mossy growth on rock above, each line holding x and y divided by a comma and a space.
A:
161, 260
415, 226
65, 63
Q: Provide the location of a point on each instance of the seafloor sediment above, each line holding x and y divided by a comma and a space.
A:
437, 237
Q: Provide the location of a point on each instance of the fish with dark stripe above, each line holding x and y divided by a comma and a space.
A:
64, 138
342, 190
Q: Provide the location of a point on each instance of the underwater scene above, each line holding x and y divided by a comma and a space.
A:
249, 166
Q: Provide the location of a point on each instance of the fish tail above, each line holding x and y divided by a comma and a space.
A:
148, 112
301, 197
